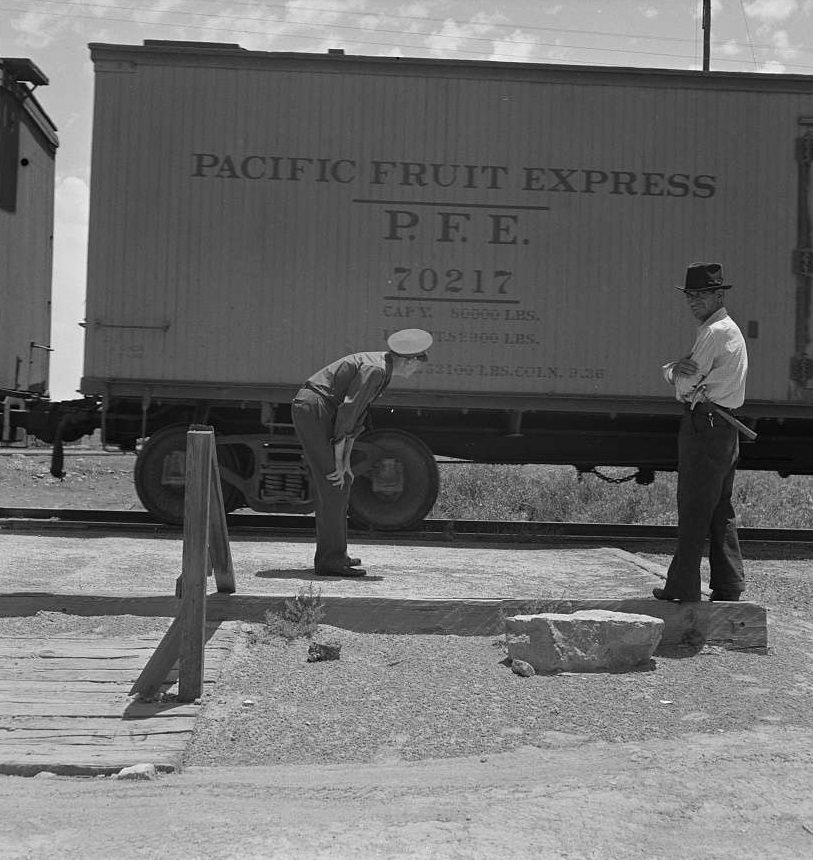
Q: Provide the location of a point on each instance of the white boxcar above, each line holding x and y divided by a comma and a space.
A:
256, 215
28, 145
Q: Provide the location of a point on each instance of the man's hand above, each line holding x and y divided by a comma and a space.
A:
685, 366
341, 460
336, 478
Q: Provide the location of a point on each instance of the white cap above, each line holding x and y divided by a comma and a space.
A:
410, 342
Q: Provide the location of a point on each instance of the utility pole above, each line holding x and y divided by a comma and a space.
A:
706, 34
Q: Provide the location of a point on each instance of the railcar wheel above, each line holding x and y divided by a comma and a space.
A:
397, 483
160, 475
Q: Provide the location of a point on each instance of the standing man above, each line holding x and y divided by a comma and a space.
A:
328, 415
710, 382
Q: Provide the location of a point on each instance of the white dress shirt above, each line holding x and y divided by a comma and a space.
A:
722, 364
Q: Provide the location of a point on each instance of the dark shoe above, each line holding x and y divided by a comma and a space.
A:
660, 594
353, 562
342, 571
729, 596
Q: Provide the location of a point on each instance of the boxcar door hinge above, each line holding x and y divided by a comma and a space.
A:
803, 262
804, 148
801, 369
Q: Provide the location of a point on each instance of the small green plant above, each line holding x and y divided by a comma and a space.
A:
300, 616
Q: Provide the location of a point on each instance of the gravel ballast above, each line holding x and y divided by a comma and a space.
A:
415, 696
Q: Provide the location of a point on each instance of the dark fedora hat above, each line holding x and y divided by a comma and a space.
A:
704, 276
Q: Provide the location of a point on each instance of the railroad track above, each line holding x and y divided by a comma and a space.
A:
282, 525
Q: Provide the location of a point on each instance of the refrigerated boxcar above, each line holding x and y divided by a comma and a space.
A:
257, 215
28, 145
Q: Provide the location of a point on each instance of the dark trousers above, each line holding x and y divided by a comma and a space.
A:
708, 449
313, 418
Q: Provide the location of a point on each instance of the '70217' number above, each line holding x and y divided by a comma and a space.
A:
429, 280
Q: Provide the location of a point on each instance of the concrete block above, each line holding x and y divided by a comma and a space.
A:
593, 640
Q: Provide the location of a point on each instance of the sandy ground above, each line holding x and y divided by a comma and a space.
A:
429, 747
745, 794
421, 746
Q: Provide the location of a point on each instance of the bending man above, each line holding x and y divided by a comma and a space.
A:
328, 415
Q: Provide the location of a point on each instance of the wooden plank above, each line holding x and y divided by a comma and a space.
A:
192, 612
739, 626
99, 735
89, 678
46, 687
112, 757
219, 548
37, 708
91, 669
111, 723
85, 650
84, 761
145, 605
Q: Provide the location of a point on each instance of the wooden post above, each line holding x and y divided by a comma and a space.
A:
706, 20
192, 615
219, 547
205, 548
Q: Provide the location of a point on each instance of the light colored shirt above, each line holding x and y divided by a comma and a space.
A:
722, 364
352, 383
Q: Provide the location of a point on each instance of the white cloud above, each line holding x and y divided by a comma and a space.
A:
784, 48
773, 67
158, 10
70, 261
418, 10
771, 11
517, 47
452, 36
36, 29
731, 49
649, 11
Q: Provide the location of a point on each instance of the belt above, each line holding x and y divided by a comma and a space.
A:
706, 406
710, 408
330, 400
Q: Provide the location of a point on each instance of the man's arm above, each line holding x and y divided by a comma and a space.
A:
685, 366
349, 421
361, 392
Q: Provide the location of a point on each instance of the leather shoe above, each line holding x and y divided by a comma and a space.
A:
660, 594
342, 571
729, 596
352, 562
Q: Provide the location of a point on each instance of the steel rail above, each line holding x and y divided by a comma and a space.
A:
279, 525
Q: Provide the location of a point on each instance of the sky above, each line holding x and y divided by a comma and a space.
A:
762, 36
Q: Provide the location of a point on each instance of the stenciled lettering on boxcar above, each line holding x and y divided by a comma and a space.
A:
465, 246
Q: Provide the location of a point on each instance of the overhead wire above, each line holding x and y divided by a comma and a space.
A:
748, 34
362, 42
513, 26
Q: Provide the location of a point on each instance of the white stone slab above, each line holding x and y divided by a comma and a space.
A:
592, 640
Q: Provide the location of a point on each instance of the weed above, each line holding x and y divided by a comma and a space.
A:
557, 494
300, 616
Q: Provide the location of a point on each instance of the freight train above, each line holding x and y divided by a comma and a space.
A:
28, 144
256, 215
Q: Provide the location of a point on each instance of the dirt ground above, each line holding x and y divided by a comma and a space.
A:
429, 747
739, 795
